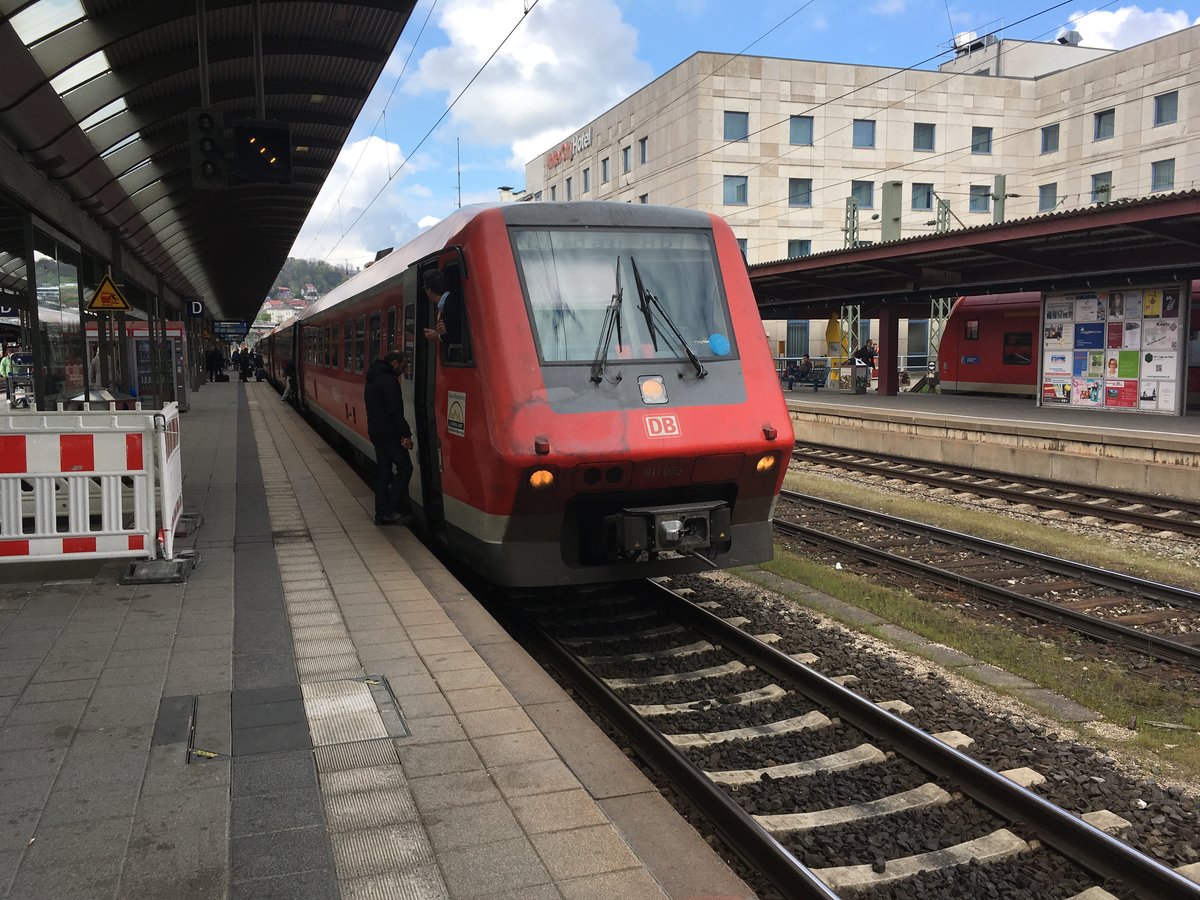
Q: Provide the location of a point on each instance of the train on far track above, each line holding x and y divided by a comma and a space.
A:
990, 345
606, 408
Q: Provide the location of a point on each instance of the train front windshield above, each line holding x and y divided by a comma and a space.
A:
653, 290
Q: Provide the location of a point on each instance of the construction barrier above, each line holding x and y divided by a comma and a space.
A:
89, 484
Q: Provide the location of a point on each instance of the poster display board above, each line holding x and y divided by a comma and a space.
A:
1121, 350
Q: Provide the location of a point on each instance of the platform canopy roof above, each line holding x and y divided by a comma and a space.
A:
96, 95
1124, 242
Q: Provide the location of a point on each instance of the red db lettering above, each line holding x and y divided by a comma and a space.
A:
662, 427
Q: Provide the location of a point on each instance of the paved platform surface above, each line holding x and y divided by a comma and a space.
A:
320, 711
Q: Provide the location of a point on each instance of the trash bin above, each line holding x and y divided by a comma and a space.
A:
853, 379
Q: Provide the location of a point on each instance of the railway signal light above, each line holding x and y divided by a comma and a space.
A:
206, 149
263, 151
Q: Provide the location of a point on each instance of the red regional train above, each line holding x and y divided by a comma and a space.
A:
609, 409
990, 345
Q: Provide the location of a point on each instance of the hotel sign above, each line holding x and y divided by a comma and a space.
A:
566, 151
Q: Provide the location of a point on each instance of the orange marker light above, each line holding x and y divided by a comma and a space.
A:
541, 480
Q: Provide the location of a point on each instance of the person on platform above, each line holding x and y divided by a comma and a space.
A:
289, 377
391, 437
447, 326
213, 362
6, 367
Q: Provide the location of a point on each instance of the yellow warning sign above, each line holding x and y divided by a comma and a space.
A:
107, 297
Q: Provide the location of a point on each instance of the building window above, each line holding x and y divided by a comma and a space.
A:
587, 180
981, 198
570, 193
1102, 187
981, 139
553, 192
1166, 108
799, 248
799, 192
864, 193
643, 199
864, 133
1105, 125
922, 196
801, 131
923, 133
742, 246
643, 157
626, 157
737, 126
1050, 139
1162, 175
736, 190
1048, 196
604, 170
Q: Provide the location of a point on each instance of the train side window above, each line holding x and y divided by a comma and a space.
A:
347, 344
375, 337
360, 340
456, 349
325, 346
391, 329
972, 330
1018, 348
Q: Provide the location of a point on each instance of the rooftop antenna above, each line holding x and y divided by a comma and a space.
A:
458, 156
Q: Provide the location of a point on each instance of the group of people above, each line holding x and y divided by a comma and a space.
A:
798, 371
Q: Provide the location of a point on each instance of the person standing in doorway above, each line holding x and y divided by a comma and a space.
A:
391, 437
447, 318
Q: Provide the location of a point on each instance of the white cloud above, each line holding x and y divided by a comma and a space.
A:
566, 63
888, 7
1129, 25
360, 171
427, 221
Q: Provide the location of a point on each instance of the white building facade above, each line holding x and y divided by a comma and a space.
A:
776, 146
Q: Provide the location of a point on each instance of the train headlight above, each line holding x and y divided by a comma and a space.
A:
541, 480
654, 389
766, 463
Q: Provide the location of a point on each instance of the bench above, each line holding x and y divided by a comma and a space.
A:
818, 378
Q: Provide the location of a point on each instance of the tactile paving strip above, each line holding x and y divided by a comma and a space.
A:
340, 712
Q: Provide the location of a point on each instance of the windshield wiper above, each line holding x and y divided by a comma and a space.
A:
612, 320
648, 303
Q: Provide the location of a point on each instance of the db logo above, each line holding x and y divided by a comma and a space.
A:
662, 427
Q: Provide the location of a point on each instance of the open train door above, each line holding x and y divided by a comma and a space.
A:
430, 360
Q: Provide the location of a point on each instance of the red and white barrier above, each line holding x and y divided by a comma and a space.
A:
98, 484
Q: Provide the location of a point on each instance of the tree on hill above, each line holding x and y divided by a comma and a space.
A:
296, 273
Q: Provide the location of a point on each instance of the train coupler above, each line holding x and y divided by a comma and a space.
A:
684, 528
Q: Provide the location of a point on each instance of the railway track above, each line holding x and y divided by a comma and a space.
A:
822, 791
1146, 617
1156, 513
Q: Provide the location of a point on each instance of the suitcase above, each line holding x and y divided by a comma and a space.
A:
221, 376
260, 375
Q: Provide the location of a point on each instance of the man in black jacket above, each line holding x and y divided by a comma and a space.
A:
391, 437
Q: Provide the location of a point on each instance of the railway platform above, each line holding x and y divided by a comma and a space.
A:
321, 710
1141, 453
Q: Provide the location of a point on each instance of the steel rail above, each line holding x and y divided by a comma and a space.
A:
1080, 507
1152, 645
1143, 587
1070, 835
742, 833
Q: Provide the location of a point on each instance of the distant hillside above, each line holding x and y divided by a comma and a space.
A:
296, 273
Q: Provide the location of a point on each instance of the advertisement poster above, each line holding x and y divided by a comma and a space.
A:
1089, 309
1057, 362
1085, 392
1116, 335
1056, 390
1089, 336
1160, 366
1116, 305
1166, 396
1112, 365
1133, 335
1128, 364
1170, 303
1121, 394
1152, 303
1060, 310
1057, 336
1088, 364
1160, 334
1133, 304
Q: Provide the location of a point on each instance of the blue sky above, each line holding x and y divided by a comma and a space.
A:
567, 61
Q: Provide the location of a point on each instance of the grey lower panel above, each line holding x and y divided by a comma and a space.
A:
540, 564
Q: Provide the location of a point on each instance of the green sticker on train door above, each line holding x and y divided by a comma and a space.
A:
456, 413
